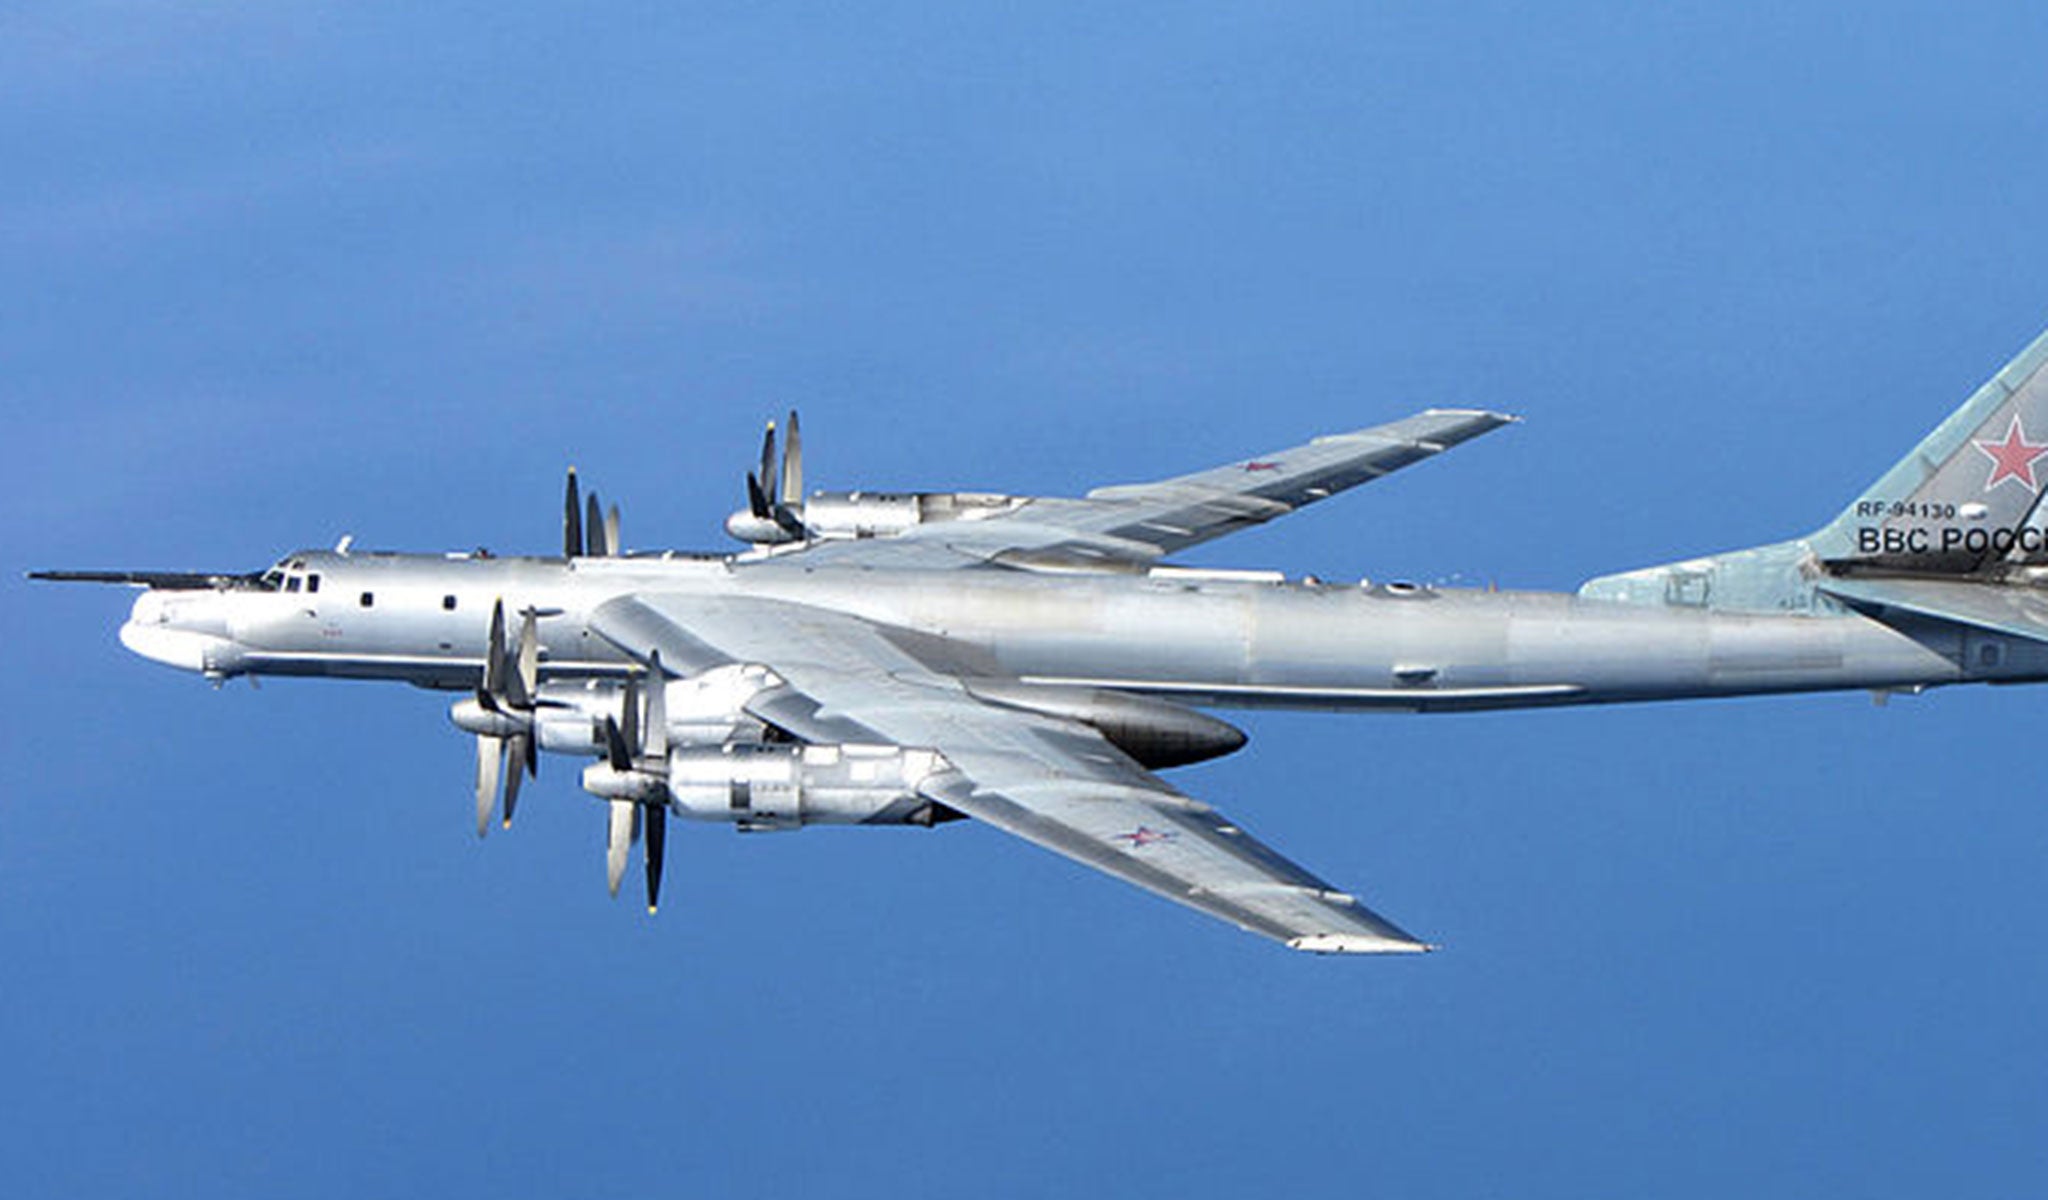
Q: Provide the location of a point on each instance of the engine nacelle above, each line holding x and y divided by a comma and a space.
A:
768, 787
860, 514
840, 515
570, 714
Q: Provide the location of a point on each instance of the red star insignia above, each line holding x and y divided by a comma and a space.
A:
1144, 836
1261, 466
2014, 457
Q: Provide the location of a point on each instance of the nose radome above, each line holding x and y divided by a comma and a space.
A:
181, 631
172, 647
148, 609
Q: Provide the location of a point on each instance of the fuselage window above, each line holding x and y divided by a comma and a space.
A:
448, 602
313, 583
368, 599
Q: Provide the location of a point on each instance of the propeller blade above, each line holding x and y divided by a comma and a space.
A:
757, 500
629, 716
521, 747
793, 467
768, 474
572, 519
654, 736
525, 684
490, 758
593, 527
611, 530
625, 823
657, 837
494, 659
615, 752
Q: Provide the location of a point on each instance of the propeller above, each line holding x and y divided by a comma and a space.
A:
775, 492
508, 693
636, 746
588, 529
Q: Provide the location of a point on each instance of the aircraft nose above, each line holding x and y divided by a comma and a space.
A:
148, 609
181, 632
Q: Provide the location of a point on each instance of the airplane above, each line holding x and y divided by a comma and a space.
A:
1033, 662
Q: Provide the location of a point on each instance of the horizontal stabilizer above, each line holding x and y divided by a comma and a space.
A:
2013, 609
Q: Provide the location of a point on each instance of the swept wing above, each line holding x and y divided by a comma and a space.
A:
1053, 782
1140, 523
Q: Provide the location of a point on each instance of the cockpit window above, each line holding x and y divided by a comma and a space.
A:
313, 582
272, 580
291, 583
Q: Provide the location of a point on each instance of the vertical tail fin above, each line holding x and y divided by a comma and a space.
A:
1968, 498
1967, 502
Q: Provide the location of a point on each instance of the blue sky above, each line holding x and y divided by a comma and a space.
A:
276, 273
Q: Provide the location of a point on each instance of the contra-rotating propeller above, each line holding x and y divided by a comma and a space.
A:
776, 493
588, 530
505, 704
634, 777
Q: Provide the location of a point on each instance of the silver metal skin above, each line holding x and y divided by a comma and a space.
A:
892, 659
1215, 641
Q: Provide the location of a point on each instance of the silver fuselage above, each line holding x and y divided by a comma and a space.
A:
1236, 639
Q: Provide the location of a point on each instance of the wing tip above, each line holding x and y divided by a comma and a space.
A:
1489, 414
1356, 943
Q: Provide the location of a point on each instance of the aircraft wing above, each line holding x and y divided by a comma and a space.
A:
1139, 523
1053, 782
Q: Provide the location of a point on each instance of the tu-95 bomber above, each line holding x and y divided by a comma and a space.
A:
1035, 662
